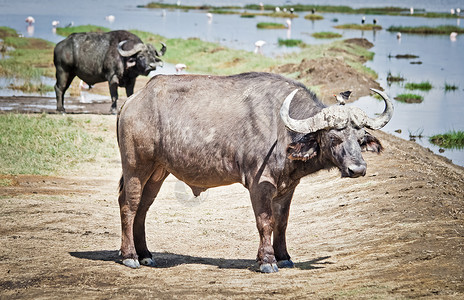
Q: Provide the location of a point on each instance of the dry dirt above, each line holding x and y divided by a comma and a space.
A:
397, 233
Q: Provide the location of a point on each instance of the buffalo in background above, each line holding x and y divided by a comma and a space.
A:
117, 57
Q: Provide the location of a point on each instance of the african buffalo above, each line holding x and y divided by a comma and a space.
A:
258, 129
117, 57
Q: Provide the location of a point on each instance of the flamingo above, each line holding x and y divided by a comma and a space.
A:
289, 23
180, 68
30, 20
258, 45
110, 18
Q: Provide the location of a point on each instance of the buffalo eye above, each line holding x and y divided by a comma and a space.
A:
335, 140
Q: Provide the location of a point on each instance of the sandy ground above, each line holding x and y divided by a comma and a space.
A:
396, 233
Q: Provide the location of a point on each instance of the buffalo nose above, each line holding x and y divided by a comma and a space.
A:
356, 170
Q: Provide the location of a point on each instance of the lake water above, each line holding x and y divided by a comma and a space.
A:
442, 59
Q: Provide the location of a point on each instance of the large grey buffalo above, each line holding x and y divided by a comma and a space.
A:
258, 129
117, 57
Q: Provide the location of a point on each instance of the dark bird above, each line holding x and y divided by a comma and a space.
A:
343, 97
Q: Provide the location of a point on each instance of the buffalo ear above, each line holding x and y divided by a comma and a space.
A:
303, 149
371, 143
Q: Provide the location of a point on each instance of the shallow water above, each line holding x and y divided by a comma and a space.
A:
441, 58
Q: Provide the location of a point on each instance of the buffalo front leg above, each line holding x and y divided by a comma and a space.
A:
150, 191
113, 84
129, 200
280, 211
261, 197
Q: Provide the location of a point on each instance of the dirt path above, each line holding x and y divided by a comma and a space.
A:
396, 233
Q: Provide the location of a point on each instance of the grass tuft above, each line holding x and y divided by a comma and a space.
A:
442, 29
270, 25
359, 26
450, 87
326, 35
409, 98
450, 140
314, 17
423, 86
290, 42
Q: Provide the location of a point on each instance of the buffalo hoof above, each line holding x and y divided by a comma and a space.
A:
113, 111
131, 263
148, 262
268, 268
285, 264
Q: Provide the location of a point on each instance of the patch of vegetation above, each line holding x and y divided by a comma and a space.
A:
247, 15
66, 31
41, 144
28, 59
403, 56
450, 140
409, 98
31, 87
326, 35
290, 42
314, 17
359, 26
442, 29
423, 86
393, 78
270, 25
450, 87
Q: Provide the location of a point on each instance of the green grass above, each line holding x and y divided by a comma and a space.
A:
42, 144
359, 26
409, 98
65, 31
326, 35
30, 59
393, 78
314, 17
450, 140
442, 29
450, 87
423, 86
270, 25
290, 42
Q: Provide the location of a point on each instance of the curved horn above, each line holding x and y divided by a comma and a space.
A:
163, 49
136, 49
386, 116
329, 117
359, 118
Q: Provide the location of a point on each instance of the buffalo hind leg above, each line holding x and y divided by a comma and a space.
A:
129, 200
150, 191
261, 197
280, 211
63, 81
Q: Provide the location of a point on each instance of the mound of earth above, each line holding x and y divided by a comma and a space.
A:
332, 74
